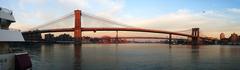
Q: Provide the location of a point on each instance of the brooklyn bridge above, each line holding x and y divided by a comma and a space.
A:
78, 21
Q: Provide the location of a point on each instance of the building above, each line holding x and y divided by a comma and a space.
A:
222, 36
233, 39
33, 36
49, 38
64, 37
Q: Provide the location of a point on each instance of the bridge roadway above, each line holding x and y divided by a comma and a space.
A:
116, 29
143, 38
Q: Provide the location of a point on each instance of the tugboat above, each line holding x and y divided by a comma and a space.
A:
10, 58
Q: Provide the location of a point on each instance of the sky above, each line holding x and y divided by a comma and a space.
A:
211, 16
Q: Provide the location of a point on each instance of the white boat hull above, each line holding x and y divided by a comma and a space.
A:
9, 36
7, 61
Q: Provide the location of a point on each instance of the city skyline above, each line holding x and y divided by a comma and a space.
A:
212, 17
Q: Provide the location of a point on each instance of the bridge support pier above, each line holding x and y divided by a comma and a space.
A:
170, 39
77, 28
195, 36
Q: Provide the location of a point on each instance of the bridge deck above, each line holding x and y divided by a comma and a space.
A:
115, 29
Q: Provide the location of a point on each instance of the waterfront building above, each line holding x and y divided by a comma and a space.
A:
222, 36
49, 37
233, 39
33, 36
64, 37
86, 39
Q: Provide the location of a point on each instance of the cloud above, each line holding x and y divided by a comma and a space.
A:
209, 22
234, 10
21, 26
98, 7
74, 4
40, 15
28, 20
32, 1
22, 4
31, 13
113, 7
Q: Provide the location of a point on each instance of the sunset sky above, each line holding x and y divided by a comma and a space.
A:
211, 16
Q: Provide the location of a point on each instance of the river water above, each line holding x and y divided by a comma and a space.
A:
132, 57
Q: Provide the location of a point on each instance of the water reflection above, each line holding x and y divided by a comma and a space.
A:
77, 56
195, 56
132, 56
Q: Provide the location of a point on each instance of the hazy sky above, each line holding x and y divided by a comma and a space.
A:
211, 16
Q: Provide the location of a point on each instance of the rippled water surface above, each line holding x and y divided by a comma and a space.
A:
132, 57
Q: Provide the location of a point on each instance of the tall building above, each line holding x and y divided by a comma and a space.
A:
222, 36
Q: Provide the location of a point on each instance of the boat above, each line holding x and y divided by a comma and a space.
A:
10, 58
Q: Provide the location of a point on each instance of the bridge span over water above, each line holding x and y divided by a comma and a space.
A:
78, 29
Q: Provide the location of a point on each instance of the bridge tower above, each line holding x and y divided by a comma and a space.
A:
195, 36
77, 28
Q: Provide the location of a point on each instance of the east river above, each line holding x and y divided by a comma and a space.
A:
132, 57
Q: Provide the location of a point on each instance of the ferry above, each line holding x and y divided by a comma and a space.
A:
10, 58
